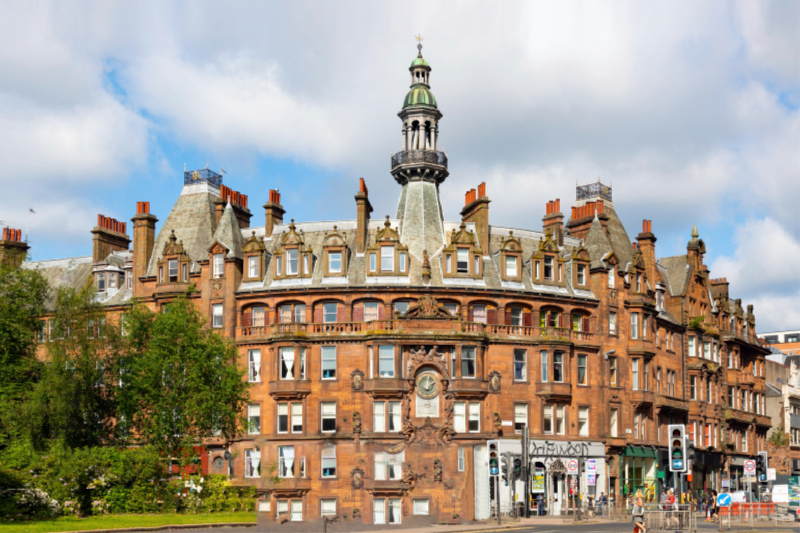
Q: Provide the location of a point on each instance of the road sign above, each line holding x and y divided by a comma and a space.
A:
572, 466
677, 465
750, 467
771, 474
724, 500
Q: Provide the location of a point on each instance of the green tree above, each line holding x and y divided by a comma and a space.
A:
23, 294
73, 404
180, 380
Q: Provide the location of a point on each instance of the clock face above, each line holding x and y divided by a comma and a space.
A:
427, 386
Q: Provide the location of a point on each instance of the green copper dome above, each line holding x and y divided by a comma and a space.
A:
419, 62
419, 95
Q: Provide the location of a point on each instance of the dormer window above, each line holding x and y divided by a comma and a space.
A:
511, 258
462, 263
611, 278
219, 262
511, 267
335, 262
185, 274
334, 251
291, 262
638, 282
462, 257
372, 262
292, 258
101, 282
129, 279
173, 270
581, 274
252, 266
388, 256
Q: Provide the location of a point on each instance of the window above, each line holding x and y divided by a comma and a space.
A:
612, 323
217, 315
462, 261
252, 463
328, 362
583, 421
511, 267
548, 268
460, 417
185, 274
218, 265
560, 420
112, 280
172, 270
101, 282
706, 350
252, 266
448, 262
160, 274
479, 314
388, 466
468, 362
129, 278
386, 362
401, 307
328, 461
582, 369
692, 351
372, 262
421, 507
520, 416
402, 261
379, 416
287, 362
638, 283
558, 367
461, 460
278, 264
328, 410
387, 258
474, 417
386, 507
291, 262
635, 374
547, 420
612, 371
254, 366
329, 312
516, 316
371, 311
254, 419
520, 367
611, 278
693, 387
581, 274
544, 366
327, 507
283, 418
335, 262
41, 334
658, 380
613, 423
644, 327
634, 325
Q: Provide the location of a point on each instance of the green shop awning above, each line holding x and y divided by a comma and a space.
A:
638, 451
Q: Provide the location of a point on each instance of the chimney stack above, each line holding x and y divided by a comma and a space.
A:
476, 210
719, 288
583, 215
12, 248
238, 202
646, 242
109, 236
363, 210
273, 212
144, 238
554, 220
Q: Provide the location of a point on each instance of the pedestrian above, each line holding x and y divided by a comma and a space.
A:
540, 505
638, 514
603, 500
669, 506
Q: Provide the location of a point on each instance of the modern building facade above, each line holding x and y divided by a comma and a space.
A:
384, 353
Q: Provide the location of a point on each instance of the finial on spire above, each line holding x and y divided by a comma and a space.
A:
694, 232
419, 43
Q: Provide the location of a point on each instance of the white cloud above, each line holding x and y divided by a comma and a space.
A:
762, 270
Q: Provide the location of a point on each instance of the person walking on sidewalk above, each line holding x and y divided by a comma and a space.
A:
638, 514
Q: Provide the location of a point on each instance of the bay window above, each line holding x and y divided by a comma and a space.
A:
468, 366
386, 366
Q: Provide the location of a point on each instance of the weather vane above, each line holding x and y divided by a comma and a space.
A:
419, 40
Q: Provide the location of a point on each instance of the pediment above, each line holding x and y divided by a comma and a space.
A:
253, 245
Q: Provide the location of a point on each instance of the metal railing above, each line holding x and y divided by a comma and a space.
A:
409, 157
593, 190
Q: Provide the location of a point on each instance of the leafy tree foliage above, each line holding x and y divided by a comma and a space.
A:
23, 294
179, 380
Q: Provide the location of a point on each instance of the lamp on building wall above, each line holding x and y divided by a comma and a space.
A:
610, 352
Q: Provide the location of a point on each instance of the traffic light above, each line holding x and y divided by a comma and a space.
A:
677, 447
494, 458
504, 461
762, 463
517, 467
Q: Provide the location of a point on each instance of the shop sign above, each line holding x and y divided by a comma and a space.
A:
794, 491
591, 479
726, 483
771, 473
591, 465
538, 482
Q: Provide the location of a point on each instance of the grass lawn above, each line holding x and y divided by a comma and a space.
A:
124, 520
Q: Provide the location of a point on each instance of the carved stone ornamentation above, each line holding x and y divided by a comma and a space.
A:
427, 433
494, 382
356, 422
427, 307
357, 476
357, 377
421, 356
426, 268
410, 478
438, 473
497, 425
397, 448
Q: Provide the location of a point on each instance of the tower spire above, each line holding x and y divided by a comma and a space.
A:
419, 44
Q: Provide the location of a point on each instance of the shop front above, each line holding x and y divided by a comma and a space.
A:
706, 473
735, 475
638, 471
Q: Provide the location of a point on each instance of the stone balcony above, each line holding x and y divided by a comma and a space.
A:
400, 327
744, 417
642, 397
469, 388
554, 390
385, 387
668, 402
289, 388
390, 487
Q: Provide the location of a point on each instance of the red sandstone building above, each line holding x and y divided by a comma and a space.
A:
385, 353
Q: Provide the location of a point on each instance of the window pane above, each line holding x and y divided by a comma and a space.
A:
387, 258
520, 416
386, 362
372, 261
581, 369
252, 266
474, 417
402, 262
548, 419
479, 313
468, 362
394, 416
379, 511
401, 307
583, 421
421, 507
516, 316
328, 416
371, 311
520, 369
558, 367
462, 260
511, 267
329, 311
283, 418
328, 362
379, 417
291, 261
297, 418
335, 262
460, 417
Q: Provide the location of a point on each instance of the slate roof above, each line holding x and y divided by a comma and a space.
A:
678, 272
228, 234
73, 272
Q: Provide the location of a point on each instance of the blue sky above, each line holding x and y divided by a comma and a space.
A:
689, 109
